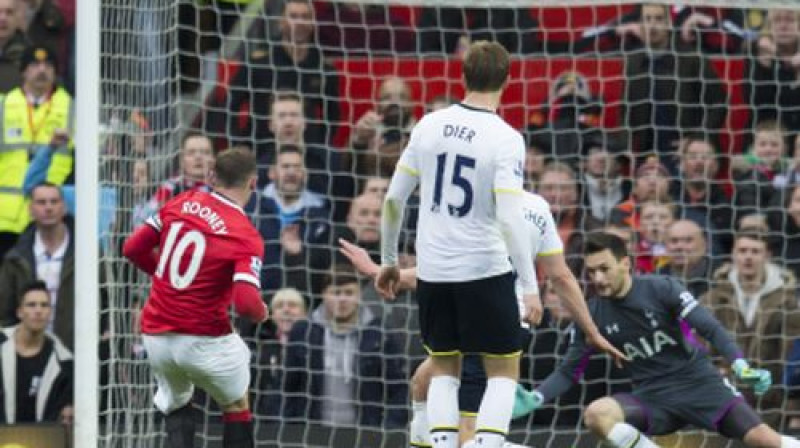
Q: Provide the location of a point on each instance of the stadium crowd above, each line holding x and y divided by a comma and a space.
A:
700, 191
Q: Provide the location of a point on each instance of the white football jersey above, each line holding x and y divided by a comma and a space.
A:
462, 155
544, 238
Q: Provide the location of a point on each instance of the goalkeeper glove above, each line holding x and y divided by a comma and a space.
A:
526, 401
759, 379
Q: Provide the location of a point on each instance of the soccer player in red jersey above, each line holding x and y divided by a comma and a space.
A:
209, 255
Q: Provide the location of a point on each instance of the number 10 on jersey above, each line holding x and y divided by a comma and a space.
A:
173, 253
460, 163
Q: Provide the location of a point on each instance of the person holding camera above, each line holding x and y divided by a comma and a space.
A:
381, 133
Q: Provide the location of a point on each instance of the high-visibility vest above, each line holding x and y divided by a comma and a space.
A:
22, 130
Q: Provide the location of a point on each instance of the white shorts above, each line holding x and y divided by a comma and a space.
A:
220, 365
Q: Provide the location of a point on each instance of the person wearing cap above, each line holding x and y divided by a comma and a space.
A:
651, 184
31, 116
12, 44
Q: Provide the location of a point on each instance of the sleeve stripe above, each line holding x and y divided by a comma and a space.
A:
407, 170
507, 190
548, 253
154, 222
249, 278
688, 309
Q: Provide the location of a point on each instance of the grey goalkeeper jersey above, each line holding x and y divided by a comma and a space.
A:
652, 325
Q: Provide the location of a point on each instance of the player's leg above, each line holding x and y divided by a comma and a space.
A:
174, 390
419, 430
618, 420
220, 366
439, 330
489, 325
742, 423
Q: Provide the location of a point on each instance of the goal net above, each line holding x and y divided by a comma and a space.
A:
689, 108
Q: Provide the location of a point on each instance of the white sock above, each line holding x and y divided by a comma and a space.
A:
789, 442
443, 411
494, 415
419, 430
623, 435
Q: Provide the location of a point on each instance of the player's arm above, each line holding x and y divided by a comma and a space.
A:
509, 201
561, 380
246, 293
686, 306
364, 264
140, 246
404, 180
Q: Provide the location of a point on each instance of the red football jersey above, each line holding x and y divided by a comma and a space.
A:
206, 244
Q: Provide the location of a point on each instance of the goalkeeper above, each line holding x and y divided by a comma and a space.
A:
675, 383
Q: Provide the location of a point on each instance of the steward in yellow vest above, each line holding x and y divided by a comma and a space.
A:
30, 115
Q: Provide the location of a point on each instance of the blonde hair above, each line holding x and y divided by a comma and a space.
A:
288, 295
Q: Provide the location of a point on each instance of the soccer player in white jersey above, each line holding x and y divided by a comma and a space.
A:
549, 251
468, 164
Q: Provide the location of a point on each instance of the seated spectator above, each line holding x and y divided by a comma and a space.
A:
754, 173
701, 197
196, 162
755, 299
669, 91
375, 185
292, 63
450, 30
327, 173
286, 308
771, 73
359, 29
45, 251
571, 115
12, 44
651, 251
559, 187
380, 135
341, 370
37, 367
784, 223
688, 258
292, 220
534, 164
603, 186
651, 184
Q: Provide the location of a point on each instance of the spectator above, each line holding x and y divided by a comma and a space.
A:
688, 258
357, 29
571, 115
701, 197
669, 91
45, 25
754, 173
291, 220
381, 133
712, 30
651, 252
196, 162
45, 251
772, 72
326, 174
12, 44
37, 367
558, 186
293, 63
287, 307
756, 300
603, 186
34, 112
784, 221
534, 164
375, 185
449, 30
341, 370
651, 184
